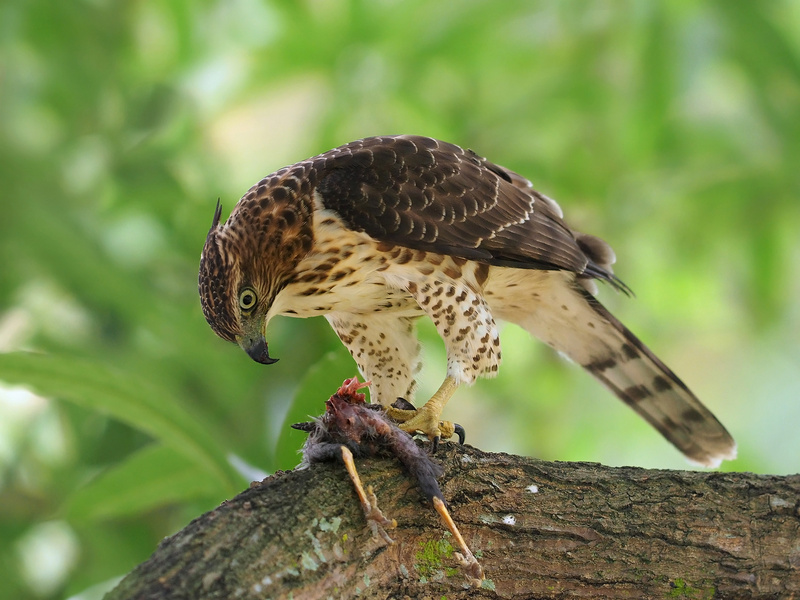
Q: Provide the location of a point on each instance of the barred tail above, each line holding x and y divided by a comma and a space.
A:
643, 382
597, 340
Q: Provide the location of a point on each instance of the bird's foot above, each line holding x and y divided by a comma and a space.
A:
472, 568
426, 421
377, 521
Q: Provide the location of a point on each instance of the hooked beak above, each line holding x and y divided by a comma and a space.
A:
258, 351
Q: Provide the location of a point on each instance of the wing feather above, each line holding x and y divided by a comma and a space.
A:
430, 195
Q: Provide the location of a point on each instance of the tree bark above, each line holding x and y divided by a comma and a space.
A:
540, 530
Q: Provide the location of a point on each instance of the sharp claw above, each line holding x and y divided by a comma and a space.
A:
435, 446
459, 431
403, 404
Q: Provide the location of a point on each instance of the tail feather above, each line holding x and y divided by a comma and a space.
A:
608, 350
643, 382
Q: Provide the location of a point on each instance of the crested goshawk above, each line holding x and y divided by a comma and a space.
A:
380, 231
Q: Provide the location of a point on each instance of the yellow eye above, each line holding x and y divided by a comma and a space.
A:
247, 299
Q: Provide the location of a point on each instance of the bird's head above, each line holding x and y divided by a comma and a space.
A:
245, 263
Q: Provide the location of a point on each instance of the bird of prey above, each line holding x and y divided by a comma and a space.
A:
383, 230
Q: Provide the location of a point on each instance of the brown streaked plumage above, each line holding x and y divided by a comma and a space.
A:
380, 231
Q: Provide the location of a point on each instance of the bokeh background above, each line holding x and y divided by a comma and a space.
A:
670, 129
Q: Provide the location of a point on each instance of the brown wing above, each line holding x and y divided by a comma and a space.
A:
430, 195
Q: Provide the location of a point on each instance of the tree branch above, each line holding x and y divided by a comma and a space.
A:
540, 530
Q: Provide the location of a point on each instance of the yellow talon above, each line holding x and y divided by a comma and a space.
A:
426, 418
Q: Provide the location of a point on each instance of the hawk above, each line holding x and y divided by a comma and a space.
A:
378, 232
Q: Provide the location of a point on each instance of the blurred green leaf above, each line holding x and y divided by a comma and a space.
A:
125, 396
155, 476
319, 383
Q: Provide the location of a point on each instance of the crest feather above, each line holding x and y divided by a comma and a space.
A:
217, 215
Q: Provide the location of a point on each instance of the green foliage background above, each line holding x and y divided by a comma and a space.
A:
670, 129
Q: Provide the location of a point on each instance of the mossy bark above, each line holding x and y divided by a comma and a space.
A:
540, 530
